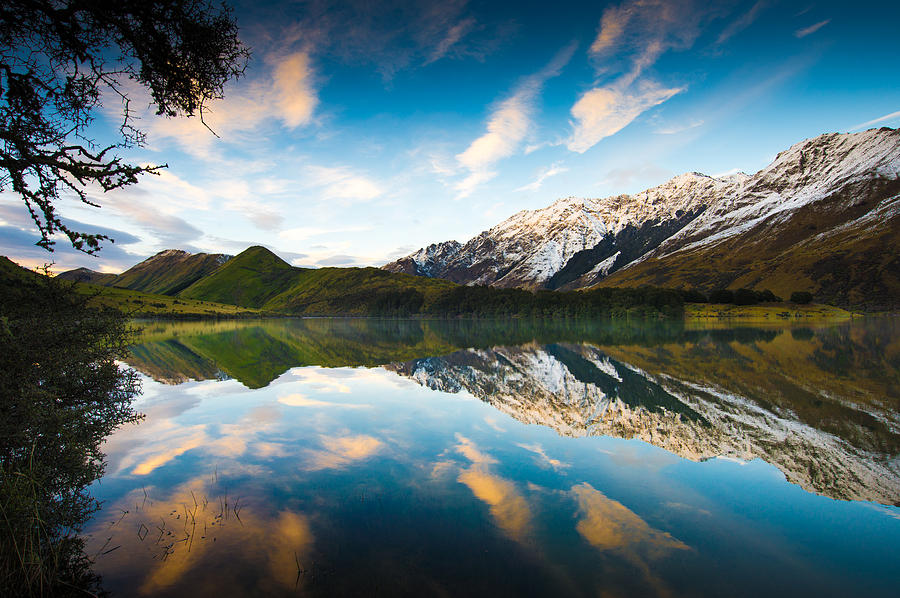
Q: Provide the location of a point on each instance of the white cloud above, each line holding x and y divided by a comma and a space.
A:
631, 38
342, 183
285, 93
875, 121
507, 127
602, 112
292, 93
800, 33
545, 174
303, 233
680, 128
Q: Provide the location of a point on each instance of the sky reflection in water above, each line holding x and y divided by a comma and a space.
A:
505, 469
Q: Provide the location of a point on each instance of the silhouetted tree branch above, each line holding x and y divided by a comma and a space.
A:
59, 61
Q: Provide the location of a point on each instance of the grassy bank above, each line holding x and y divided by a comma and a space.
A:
148, 305
766, 312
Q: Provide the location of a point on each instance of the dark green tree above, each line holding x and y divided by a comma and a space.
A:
61, 60
801, 297
61, 393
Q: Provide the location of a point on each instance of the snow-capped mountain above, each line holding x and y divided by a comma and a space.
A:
823, 210
531, 247
578, 390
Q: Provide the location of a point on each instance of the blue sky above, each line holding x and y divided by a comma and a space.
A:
365, 130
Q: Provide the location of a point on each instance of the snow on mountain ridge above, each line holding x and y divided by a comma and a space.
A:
530, 246
806, 172
535, 248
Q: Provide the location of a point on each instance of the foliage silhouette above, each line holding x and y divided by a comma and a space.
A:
59, 61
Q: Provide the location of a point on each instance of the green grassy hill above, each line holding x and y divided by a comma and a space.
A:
257, 278
167, 272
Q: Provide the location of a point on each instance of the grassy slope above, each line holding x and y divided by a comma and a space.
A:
249, 279
166, 275
87, 275
851, 265
767, 312
258, 278
138, 304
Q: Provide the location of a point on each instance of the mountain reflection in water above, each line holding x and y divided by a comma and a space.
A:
822, 405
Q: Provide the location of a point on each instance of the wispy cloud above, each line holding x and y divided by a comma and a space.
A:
801, 33
339, 182
451, 39
507, 126
741, 23
285, 92
620, 180
679, 128
602, 112
875, 121
393, 35
546, 173
631, 38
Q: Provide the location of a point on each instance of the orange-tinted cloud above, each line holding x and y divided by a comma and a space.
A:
340, 452
609, 525
507, 506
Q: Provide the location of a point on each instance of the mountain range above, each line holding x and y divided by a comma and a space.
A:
258, 279
823, 217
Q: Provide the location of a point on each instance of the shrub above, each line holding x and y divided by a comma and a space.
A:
745, 297
721, 296
801, 297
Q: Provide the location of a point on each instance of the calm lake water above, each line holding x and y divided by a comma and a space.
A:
365, 457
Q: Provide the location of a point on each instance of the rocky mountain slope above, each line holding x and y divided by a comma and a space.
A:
166, 273
822, 217
579, 390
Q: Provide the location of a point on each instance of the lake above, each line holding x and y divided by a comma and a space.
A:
340, 457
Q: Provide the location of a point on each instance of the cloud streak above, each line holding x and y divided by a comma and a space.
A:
285, 93
546, 173
875, 121
603, 112
507, 127
801, 33
631, 38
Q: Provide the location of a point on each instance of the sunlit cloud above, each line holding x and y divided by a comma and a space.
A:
292, 92
210, 529
174, 443
507, 127
609, 525
602, 112
544, 459
631, 38
451, 39
299, 400
285, 92
342, 451
507, 506
612, 27
801, 33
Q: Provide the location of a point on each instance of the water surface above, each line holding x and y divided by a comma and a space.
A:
366, 457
